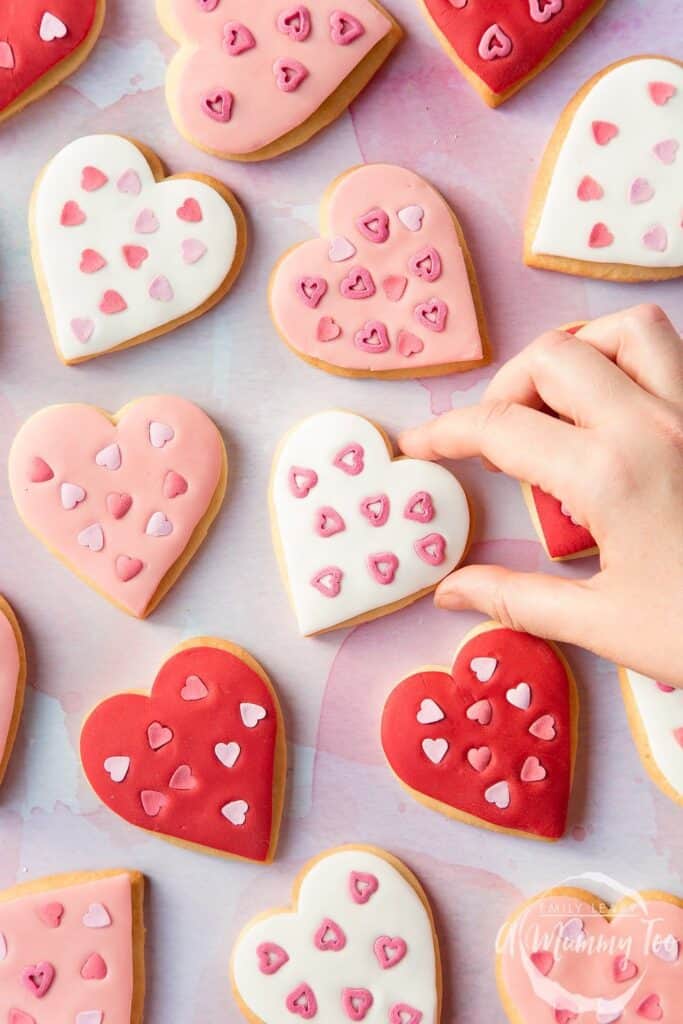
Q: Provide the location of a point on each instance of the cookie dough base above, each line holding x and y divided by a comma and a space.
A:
8, 613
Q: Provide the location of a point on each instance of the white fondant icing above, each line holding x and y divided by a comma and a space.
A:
661, 714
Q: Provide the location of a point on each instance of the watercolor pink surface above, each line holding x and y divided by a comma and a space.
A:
231, 363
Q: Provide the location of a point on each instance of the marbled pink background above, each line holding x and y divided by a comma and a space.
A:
232, 364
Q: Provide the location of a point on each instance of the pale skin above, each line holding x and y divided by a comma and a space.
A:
615, 458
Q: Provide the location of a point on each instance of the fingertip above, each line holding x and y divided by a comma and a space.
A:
415, 443
450, 596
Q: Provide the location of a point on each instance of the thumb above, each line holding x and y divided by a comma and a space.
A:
547, 606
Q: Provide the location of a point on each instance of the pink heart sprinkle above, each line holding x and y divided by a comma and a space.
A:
328, 329
91, 261
39, 472
661, 92
420, 507
158, 525
544, 728
479, 758
373, 337
431, 549
311, 290
146, 222
432, 314
389, 951
543, 10
129, 183
678, 736
135, 255
38, 978
374, 225
161, 290
357, 284
302, 1002
340, 249
92, 537
376, 509
329, 937
72, 215
96, 916
411, 217
94, 968
345, 28
194, 688
604, 132
237, 38
112, 302
51, 914
589, 190
152, 801
641, 191
600, 237
160, 434
328, 522
533, 770
394, 286
295, 22
218, 105
127, 568
666, 151
92, 179
271, 957
426, 264
362, 886
7, 61
190, 211
118, 504
651, 1008
328, 581
543, 961
383, 567
624, 969
350, 459
82, 328
409, 344
289, 74
182, 778
481, 712
356, 1003
174, 484
495, 43
158, 735
192, 250
656, 239
301, 481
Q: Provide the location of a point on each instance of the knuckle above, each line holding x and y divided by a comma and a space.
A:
610, 468
548, 345
495, 412
647, 313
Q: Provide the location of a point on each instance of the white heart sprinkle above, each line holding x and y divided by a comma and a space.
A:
341, 249
484, 668
235, 811
160, 434
252, 714
429, 712
109, 457
3, 947
519, 696
158, 525
227, 753
97, 916
498, 794
411, 217
573, 929
435, 750
92, 537
52, 28
117, 768
71, 495
90, 1017
667, 949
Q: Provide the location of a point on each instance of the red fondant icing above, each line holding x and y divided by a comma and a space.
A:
499, 64
119, 727
562, 537
538, 808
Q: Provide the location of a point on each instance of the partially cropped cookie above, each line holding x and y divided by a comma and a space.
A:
12, 681
389, 289
607, 200
655, 715
123, 253
124, 500
253, 80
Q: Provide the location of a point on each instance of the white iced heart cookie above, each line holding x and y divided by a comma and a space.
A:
655, 714
358, 942
123, 254
358, 534
607, 201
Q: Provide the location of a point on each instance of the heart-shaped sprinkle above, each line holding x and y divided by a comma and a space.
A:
543, 961
118, 504
117, 767
533, 770
574, 931
328, 329
668, 948
190, 211
589, 190
182, 778
435, 749
72, 215
71, 495
328, 582
127, 568
82, 328
329, 937
432, 314
112, 303
362, 886
495, 43
356, 1003
92, 179
481, 712
38, 978
109, 457
92, 537
389, 951
411, 217
483, 668
519, 696
431, 549
97, 916
289, 73
661, 92
604, 132
158, 525
295, 22
251, 714
351, 459
147, 222
429, 712
87, 1017
499, 795
194, 688
7, 62
129, 183
419, 507
174, 484
235, 812
51, 914
94, 968
135, 255
651, 1008
271, 957
345, 28
543, 10
374, 225
394, 287
341, 249
328, 522
641, 191
158, 735
372, 337
666, 150
409, 344
161, 289
39, 472
302, 1002
544, 728
426, 264
376, 509
656, 239
624, 969
383, 567
51, 28
91, 261
218, 105
237, 38
228, 753
357, 284
152, 802
192, 250
479, 758
160, 434
404, 1013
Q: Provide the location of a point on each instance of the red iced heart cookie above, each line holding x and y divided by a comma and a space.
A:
493, 741
252, 80
606, 202
500, 45
12, 681
566, 957
389, 290
42, 43
73, 941
201, 761
106, 509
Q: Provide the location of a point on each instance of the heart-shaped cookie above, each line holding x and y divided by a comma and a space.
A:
12, 681
358, 941
72, 949
358, 534
251, 81
125, 500
43, 41
498, 748
606, 202
500, 45
201, 761
565, 957
655, 714
390, 290
123, 254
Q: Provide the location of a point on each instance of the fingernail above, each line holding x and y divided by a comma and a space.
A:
448, 595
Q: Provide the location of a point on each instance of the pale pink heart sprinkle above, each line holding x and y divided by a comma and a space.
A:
573, 930
656, 239
641, 191
289, 73
543, 10
227, 753
499, 795
409, 344
236, 812
533, 770
92, 537
52, 28
328, 329
341, 249
194, 688
495, 43
117, 767
345, 28
160, 434
152, 802
97, 916
411, 217
667, 150
252, 714
667, 949
71, 495
479, 758
109, 457
158, 735
192, 250
218, 105
519, 696
237, 38
161, 289
429, 712
435, 749
158, 525
90, 1017
589, 190
92, 179
82, 329
7, 62
544, 728
146, 222
481, 712
129, 183
394, 286
483, 668
181, 778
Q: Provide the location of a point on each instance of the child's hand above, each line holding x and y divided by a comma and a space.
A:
616, 461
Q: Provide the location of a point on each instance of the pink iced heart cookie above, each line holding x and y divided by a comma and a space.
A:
42, 44
564, 958
607, 200
108, 483
52, 963
655, 714
332, 956
250, 81
12, 681
394, 276
117, 258
359, 534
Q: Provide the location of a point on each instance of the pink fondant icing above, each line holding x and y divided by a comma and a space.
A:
68, 437
9, 678
92, 969
262, 112
429, 263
